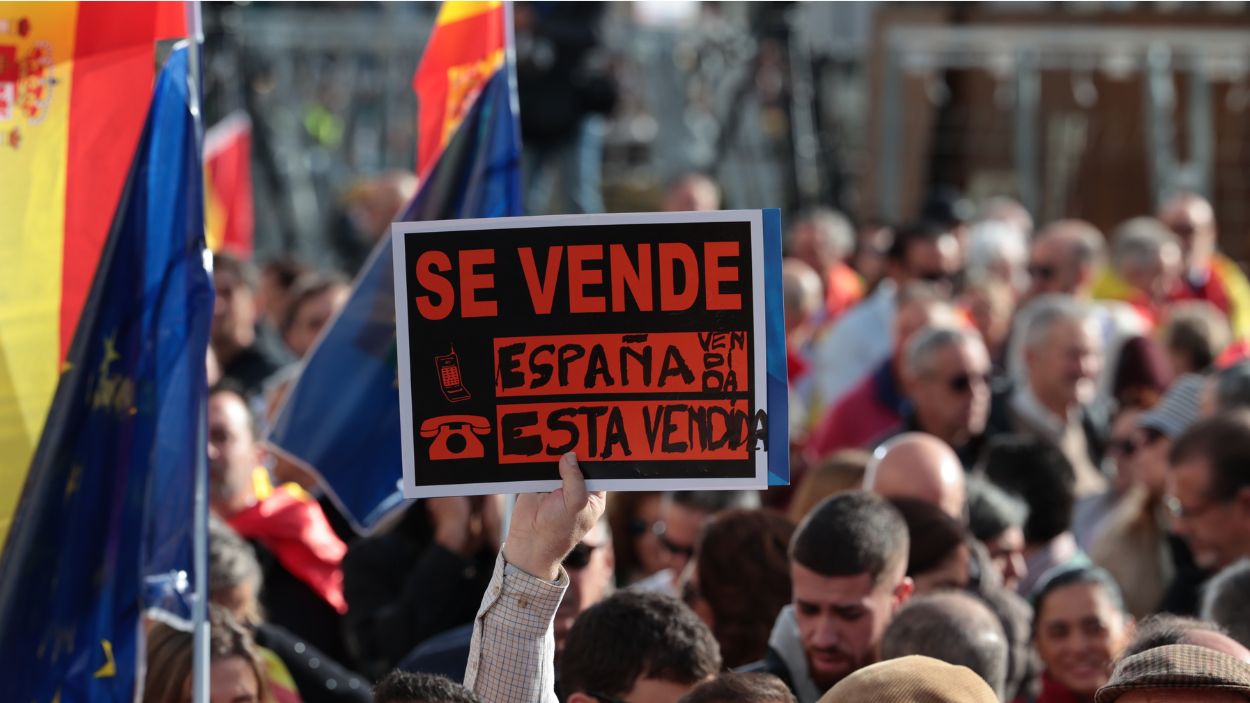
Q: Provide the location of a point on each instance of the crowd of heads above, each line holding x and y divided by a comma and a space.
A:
1021, 471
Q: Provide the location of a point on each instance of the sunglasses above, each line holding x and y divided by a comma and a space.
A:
1123, 446
964, 382
670, 546
936, 277
1043, 272
580, 556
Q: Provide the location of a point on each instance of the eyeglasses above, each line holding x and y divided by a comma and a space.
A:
964, 382
1180, 512
580, 556
936, 277
1042, 272
671, 547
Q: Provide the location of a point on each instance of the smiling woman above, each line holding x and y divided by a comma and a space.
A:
1079, 629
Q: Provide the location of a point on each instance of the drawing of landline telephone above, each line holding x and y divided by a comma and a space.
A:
455, 436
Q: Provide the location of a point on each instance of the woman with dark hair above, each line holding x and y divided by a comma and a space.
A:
741, 580
235, 673
938, 556
1080, 629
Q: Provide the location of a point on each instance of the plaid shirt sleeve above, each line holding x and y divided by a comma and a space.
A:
512, 658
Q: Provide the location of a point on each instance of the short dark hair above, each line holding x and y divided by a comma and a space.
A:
1163, 629
633, 635
227, 385
1224, 441
1060, 577
240, 269
933, 535
735, 687
851, 533
1036, 471
954, 627
908, 235
405, 687
991, 510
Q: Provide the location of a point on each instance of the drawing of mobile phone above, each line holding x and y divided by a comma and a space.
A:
448, 367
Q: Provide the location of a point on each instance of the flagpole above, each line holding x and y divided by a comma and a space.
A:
199, 530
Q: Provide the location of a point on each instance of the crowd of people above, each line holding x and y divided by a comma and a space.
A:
1020, 472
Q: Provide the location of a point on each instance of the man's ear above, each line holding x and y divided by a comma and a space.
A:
1242, 499
580, 698
903, 591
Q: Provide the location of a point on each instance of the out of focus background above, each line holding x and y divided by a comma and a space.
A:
1087, 109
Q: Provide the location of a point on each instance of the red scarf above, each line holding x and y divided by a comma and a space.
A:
289, 523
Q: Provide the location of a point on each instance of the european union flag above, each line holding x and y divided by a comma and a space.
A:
342, 417
103, 530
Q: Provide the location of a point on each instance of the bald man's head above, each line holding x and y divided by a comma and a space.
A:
921, 466
1192, 218
1064, 257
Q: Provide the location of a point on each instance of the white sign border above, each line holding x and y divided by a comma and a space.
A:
403, 358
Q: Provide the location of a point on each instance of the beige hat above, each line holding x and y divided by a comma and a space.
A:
912, 679
1176, 666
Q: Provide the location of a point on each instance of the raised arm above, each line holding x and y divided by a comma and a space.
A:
512, 657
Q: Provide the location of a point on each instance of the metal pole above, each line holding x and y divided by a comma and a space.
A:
1028, 92
891, 136
199, 530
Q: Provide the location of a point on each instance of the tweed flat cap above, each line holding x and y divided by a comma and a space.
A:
913, 679
1176, 666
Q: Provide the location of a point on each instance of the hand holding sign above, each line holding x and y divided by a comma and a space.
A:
546, 526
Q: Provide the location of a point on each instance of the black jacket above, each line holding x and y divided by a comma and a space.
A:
403, 588
318, 678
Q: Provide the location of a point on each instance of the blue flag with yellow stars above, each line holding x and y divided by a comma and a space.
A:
103, 530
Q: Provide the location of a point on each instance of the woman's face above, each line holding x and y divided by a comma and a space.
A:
1080, 634
232, 680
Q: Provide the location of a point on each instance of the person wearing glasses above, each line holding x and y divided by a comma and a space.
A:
1208, 274
1134, 547
1209, 498
946, 374
683, 515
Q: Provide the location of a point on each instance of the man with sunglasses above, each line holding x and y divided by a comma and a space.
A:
1208, 274
682, 517
946, 374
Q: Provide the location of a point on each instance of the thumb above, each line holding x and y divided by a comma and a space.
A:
573, 483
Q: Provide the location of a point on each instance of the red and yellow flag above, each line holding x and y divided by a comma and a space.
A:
228, 186
465, 50
75, 82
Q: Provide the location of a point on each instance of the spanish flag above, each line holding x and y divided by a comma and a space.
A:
75, 82
228, 218
466, 50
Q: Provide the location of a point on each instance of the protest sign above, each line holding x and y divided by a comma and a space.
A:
649, 344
